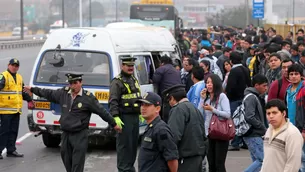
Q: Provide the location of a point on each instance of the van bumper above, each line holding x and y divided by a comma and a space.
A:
55, 129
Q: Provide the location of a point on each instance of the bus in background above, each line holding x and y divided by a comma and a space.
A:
160, 13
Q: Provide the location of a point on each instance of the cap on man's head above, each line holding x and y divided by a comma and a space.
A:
174, 89
151, 98
74, 77
14, 61
128, 60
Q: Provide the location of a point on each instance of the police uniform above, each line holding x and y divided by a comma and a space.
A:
11, 96
187, 124
74, 121
124, 91
158, 145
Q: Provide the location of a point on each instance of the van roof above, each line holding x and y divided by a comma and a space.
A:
98, 39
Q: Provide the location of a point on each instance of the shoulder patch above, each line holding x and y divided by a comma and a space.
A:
67, 88
88, 93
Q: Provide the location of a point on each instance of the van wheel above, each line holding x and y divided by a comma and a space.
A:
51, 141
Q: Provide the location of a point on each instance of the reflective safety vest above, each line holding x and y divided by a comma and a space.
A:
128, 100
11, 94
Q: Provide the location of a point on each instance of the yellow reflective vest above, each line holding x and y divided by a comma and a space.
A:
129, 99
11, 94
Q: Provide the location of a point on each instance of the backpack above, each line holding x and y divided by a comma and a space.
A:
241, 125
279, 87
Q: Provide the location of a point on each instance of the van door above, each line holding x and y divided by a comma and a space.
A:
144, 70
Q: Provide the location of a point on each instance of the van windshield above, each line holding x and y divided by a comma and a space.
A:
55, 65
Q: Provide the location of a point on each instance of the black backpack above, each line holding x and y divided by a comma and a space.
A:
279, 86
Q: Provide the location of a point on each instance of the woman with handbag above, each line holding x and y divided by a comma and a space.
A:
218, 125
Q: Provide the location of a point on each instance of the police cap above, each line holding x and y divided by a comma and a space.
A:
174, 89
14, 61
151, 98
74, 77
128, 60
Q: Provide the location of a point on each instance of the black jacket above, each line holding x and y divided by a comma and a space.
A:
165, 77
187, 124
238, 80
75, 116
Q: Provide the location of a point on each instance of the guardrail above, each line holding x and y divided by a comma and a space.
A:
16, 38
20, 44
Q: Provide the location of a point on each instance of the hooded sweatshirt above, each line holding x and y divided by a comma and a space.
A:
254, 113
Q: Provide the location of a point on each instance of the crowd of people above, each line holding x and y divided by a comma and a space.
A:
255, 76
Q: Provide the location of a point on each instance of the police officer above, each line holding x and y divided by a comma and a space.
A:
187, 124
77, 105
11, 96
124, 91
158, 150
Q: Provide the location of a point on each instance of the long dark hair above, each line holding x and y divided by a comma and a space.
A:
224, 64
217, 87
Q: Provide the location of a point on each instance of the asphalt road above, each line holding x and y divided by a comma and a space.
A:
39, 158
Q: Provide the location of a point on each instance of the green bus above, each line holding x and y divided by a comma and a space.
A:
158, 15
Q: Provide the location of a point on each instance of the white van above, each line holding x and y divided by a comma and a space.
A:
158, 30
17, 31
95, 52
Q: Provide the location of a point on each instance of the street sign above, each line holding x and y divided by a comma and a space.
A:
258, 9
29, 13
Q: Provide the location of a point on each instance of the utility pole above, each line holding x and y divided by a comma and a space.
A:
247, 12
208, 8
90, 13
293, 8
63, 13
116, 10
21, 20
80, 13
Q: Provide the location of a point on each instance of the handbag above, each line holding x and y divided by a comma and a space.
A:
221, 129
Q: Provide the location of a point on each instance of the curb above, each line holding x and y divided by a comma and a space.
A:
20, 44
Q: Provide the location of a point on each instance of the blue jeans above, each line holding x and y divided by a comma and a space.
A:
256, 148
237, 141
302, 169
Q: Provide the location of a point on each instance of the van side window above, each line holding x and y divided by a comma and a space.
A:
144, 69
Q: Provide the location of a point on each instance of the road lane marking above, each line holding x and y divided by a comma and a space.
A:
21, 139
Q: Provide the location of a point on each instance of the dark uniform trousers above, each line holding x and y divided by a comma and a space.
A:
9, 126
191, 164
127, 143
73, 150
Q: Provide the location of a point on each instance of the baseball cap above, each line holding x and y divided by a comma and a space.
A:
14, 61
151, 98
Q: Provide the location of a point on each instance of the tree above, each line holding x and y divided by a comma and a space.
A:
97, 10
236, 17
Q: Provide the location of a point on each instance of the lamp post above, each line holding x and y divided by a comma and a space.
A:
90, 14
63, 13
293, 8
21, 20
80, 13
116, 10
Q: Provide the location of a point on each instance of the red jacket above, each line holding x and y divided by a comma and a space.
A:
273, 90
